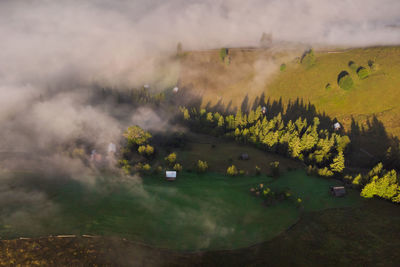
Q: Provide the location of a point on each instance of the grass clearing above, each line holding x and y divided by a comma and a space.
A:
196, 212
221, 153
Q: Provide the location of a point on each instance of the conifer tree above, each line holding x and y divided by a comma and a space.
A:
338, 163
221, 121
209, 117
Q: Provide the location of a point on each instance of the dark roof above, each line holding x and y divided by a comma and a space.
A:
338, 190
244, 156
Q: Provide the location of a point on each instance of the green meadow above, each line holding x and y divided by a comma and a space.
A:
195, 212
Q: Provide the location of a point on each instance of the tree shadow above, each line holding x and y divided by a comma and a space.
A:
372, 144
341, 75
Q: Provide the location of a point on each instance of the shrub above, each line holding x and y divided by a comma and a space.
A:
345, 81
232, 171
283, 67
138, 167
275, 168
158, 169
241, 172
308, 58
362, 73
202, 166
136, 135
171, 158
372, 65
146, 150
352, 65
325, 172
177, 167
328, 86
223, 52
258, 170
146, 167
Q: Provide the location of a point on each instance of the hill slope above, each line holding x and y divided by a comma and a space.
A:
255, 71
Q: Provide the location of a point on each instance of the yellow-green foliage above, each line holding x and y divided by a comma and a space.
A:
232, 170
202, 166
136, 135
274, 168
325, 172
185, 112
223, 53
345, 82
178, 167
266, 191
258, 170
338, 163
385, 187
362, 73
380, 90
146, 167
357, 180
171, 158
308, 58
146, 150
209, 117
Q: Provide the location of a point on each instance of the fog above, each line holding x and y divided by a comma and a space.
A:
53, 52
58, 46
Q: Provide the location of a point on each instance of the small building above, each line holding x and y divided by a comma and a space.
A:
146, 86
264, 110
175, 90
337, 126
244, 156
112, 148
170, 175
338, 191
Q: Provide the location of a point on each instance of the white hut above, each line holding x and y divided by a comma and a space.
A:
146, 86
264, 110
170, 175
175, 90
112, 148
337, 126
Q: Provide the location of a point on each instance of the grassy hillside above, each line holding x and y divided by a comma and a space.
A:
253, 72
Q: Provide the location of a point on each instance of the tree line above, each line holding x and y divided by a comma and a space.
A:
323, 150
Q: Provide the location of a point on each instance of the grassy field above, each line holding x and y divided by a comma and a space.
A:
366, 235
378, 94
196, 212
221, 153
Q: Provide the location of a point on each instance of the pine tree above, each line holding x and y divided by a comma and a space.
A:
295, 146
387, 187
369, 190
221, 121
338, 163
232, 171
209, 117
238, 117
251, 116
186, 114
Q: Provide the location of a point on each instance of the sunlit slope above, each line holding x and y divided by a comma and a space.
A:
253, 72
378, 94
206, 75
